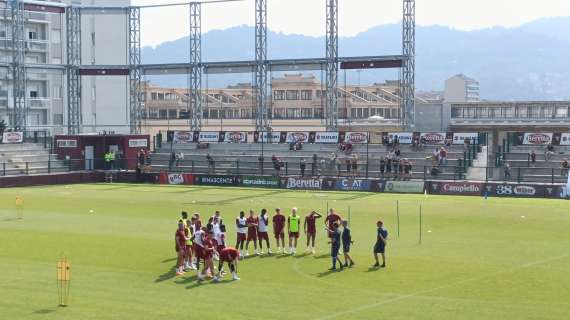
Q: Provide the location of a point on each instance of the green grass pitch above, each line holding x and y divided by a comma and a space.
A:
480, 259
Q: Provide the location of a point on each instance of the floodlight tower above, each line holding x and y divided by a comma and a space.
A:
262, 113
195, 94
409, 66
332, 65
18, 65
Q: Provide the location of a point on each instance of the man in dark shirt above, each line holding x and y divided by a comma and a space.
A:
335, 246
346, 242
380, 247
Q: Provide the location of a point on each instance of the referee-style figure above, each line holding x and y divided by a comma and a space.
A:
380, 247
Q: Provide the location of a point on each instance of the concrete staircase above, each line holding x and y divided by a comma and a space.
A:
478, 172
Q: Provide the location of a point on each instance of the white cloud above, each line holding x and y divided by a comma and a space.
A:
308, 16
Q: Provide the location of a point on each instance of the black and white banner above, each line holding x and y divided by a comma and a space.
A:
403, 137
210, 137
355, 137
565, 139
175, 178
302, 137
434, 137
537, 138
302, 183
326, 137
460, 137
183, 137
235, 137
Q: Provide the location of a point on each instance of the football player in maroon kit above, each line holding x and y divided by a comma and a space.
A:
330, 220
207, 254
310, 227
231, 256
279, 229
180, 247
252, 222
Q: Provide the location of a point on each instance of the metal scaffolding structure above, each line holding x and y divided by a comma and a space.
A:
195, 68
409, 67
135, 73
332, 65
73, 50
260, 85
19, 65
195, 77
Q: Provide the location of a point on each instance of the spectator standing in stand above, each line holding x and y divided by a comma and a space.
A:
532, 157
507, 171
314, 165
549, 152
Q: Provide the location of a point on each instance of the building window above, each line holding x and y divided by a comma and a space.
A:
161, 96
33, 94
306, 94
163, 114
292, 95
306, 113
32, 35
279, 95
153, 96
172, 114
56, 92
58, 119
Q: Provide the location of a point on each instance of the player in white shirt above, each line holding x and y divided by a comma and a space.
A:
241, 226
262, 229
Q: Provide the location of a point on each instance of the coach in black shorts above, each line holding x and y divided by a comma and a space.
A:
380, 246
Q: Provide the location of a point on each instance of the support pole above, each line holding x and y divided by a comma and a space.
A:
398, 216
332, 65
260, 84
195, 94
420, 240
18, 65
135, 72
409, 67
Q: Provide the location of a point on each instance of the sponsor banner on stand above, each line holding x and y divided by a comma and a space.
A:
326, 137
66, 143
260, 181
302, 183
460, 137
352, 184
457, 188
215, 180
537, 138
565, 139
515, 190
328, 183
403, 137
175, 178
13, 137
209, 137
302, 137
267, 137
377, 185
557, 192
355, 137
138, 143
235, 137
434, 137
405, 186
183, 137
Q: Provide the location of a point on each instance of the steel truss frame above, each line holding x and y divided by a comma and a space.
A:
195, 68
409, 68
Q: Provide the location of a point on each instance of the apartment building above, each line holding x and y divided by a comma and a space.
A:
293, 97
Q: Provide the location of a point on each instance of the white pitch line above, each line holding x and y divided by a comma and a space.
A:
418, 293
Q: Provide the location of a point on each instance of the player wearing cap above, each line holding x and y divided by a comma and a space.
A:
252, 222
241, 226
293, 227
262, 231
380, 247
180, 247
231, 256
310, 228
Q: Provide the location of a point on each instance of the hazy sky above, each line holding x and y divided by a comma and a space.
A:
307, 16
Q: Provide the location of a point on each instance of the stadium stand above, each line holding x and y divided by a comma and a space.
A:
245, 159
28, 158
547, 169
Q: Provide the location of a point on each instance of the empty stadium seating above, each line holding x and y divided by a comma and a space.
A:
542, 170
28, 158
